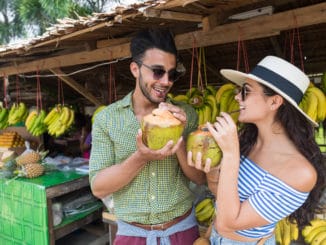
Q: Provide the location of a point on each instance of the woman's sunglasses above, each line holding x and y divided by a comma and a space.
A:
244, 91
158, 73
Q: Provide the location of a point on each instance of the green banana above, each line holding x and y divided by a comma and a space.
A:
211, 90
207, 113
210, 99
192, 91
202, 204
181, 97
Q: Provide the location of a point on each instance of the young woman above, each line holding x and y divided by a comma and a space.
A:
276, 168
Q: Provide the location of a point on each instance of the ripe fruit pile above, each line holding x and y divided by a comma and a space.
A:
17, 113
315, 233
205, 211
314, 103
35, 122
285, 232
59, 119
11, 139
210, 102
26, 165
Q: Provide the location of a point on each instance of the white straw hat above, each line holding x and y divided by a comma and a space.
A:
279, 75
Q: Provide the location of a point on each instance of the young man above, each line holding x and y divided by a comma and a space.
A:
150, 188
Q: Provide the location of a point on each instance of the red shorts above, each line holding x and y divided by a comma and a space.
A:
186, 237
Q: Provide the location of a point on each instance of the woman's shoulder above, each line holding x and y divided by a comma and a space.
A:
298, 172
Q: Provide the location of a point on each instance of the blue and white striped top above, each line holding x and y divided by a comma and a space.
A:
269, 196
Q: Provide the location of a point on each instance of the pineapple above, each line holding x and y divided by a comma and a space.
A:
28, 158
32, 170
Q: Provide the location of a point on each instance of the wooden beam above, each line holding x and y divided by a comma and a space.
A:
250, 29
112, 42
170, 15
103, 54
76, 86
263, 26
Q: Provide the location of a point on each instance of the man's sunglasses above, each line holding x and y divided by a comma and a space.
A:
158, 73
244, 91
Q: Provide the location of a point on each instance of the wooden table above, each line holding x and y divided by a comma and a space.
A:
26, 204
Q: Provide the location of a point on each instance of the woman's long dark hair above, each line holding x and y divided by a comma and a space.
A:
301, 132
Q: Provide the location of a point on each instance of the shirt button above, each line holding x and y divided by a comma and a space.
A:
152, 197
153, 174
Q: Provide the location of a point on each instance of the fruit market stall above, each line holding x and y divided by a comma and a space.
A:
87, 62
28, 208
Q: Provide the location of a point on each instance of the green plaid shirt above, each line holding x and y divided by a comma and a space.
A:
160, 192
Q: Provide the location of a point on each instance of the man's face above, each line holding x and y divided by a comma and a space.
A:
156, 72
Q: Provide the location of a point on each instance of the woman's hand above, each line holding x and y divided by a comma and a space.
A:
225, 133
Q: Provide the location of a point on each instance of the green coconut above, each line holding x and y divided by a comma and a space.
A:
159, 127
201, 140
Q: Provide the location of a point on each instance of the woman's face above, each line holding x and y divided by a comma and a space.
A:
254, 102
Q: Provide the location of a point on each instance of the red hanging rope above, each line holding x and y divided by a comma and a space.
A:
18, 98
242, 49
192, 60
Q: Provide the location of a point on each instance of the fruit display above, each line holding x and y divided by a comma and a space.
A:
159, 127
202, 141
4, 112
35, 122
286, 231
11, 139
28, 165
313, 103
205, 211
59, 119
17, 113
315, 233
210, 101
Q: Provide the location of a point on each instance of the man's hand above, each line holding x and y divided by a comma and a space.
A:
151, 155
177, 112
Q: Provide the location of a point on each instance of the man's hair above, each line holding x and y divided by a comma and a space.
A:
152, 38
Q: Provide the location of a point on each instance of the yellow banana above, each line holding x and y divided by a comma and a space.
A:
279, 233
222, 89
225, 99
50, 115
234, 105
321, 105
210, 99
64, 117
316, 230
286, 232
30, 119
294, 231
312, 104
319, 238
71, 119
